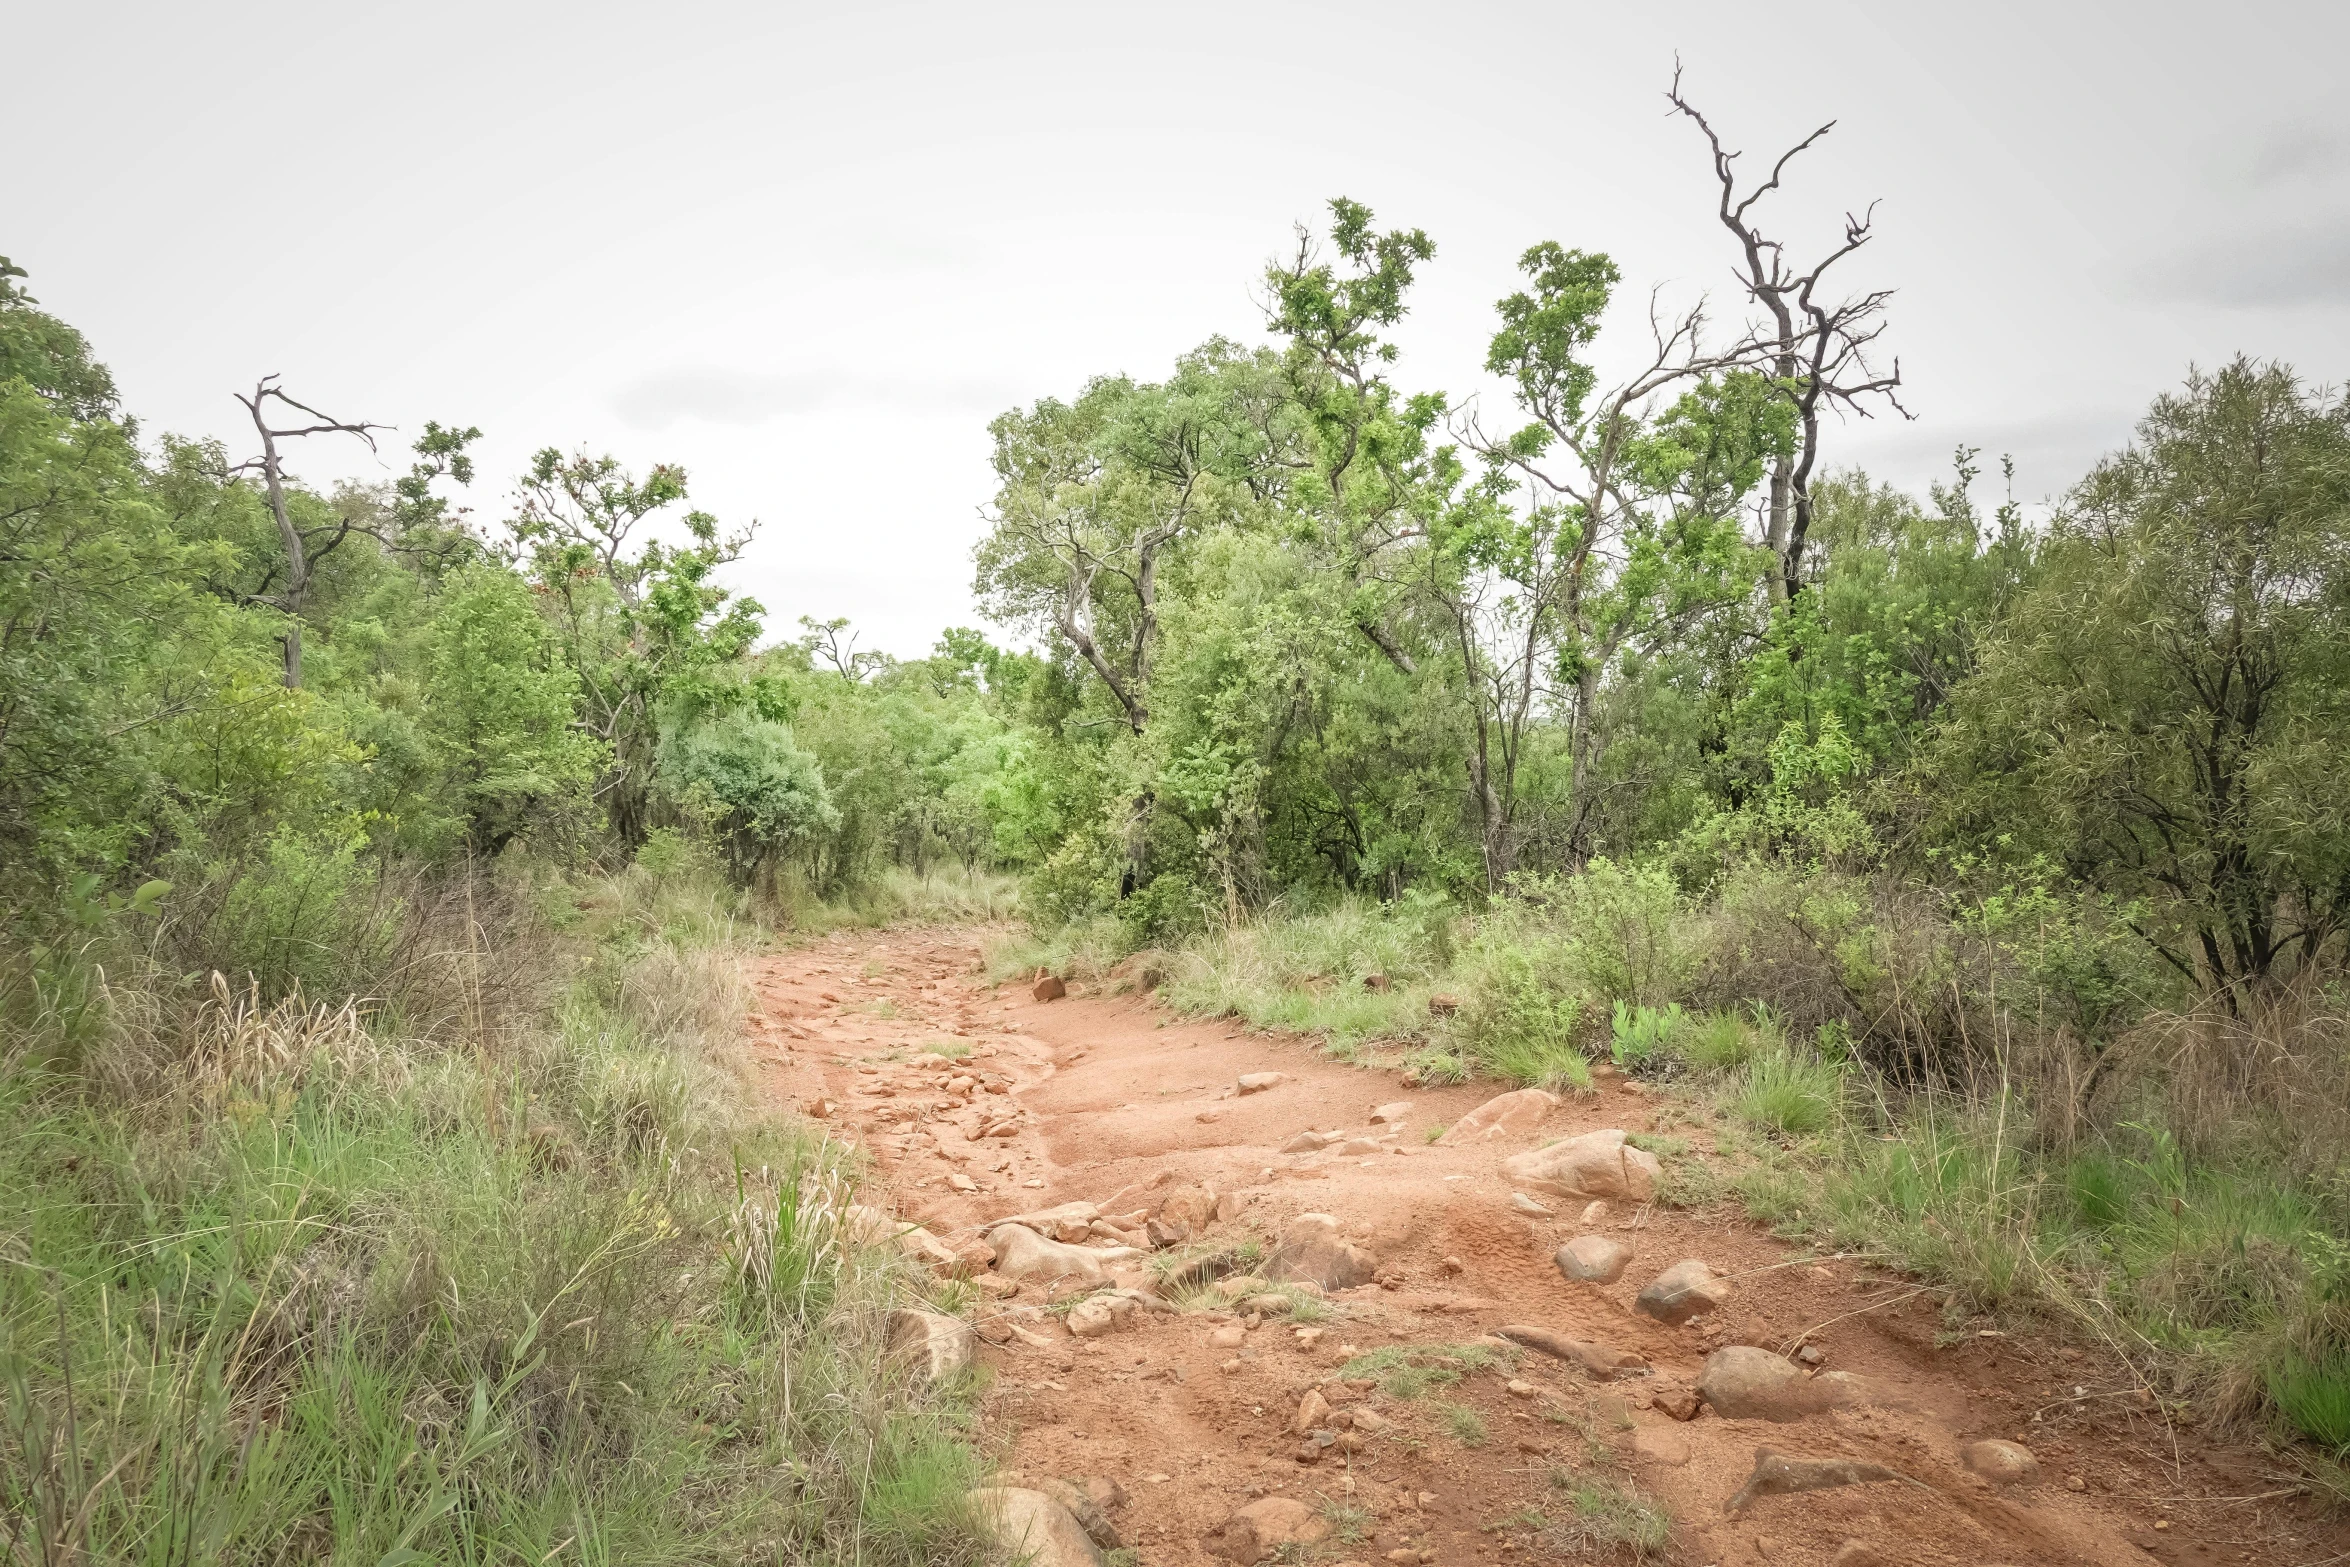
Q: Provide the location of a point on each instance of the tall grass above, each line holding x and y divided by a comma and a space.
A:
285, 1279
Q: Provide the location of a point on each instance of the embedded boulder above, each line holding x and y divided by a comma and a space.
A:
1184, 1213
933, 1345
1313, 1251
1258, 1082
1021, 1253
1049, 988
1744, 1383
1596, 1164
1601, 1362
2001, 1463
1775, 1474
1032, 1527
1259, 1530
1505, 1115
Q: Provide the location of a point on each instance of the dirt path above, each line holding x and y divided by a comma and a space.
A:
1111, 1101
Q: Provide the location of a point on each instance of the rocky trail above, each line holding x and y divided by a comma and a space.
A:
1258, 1307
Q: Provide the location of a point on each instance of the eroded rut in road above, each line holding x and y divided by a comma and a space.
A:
1110, 1101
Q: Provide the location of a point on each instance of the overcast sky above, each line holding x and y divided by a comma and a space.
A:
807, 251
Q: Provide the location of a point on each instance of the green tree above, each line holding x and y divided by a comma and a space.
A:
636, 616
500, 711
2168, 707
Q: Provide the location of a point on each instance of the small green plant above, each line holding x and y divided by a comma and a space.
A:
1349, 1524
1639, 1036
1466, 1425
1434, 1134
952, 1049
1437, 1068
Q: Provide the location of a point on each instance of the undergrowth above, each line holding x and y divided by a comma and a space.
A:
285, 1280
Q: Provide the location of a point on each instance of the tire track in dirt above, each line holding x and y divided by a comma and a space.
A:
979, 1102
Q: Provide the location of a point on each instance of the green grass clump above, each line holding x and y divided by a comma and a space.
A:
1408, 1371
1784, 1094
2313, 1394
952, 1049
1719, 1042
1305, 973
1466, 1425
1607, 1515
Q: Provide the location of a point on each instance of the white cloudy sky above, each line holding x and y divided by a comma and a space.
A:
807, 250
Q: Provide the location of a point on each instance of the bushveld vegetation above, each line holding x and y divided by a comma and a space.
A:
373, 871
1985, 877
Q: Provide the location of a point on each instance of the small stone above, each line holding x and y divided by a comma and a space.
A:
2075, 1483
1518, 1388
1312, 1411
1229, 1367
1593, 1259
1442, 1005
1453, 1265
1230, 1336
2001, 1463
1377, 983
1684, 1290
1312, 1142
962, 1183
1366, 1419
1209, 1117
1595, 1212
1811, 1355
1049, 988
1521, 1203
1673, 1400
1258, 1082
1392, 1114
1100, 1315
1854, 1554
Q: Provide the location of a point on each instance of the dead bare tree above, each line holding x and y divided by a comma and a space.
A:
1817, 353
304, 547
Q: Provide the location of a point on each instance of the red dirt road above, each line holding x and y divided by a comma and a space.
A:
1113, 1096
